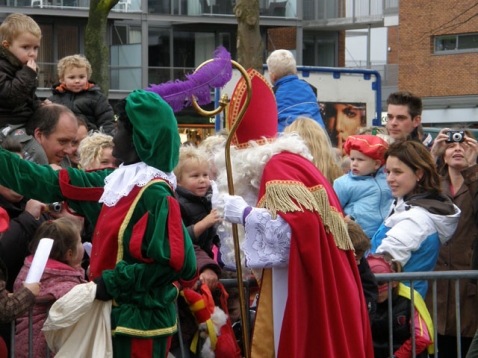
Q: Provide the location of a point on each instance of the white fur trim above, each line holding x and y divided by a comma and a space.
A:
219, 319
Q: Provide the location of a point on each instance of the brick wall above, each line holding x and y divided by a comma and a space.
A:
341, 49
281, 38
392, 43
422, 72
285, 38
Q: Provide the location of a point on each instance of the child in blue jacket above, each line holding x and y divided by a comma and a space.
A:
364, 193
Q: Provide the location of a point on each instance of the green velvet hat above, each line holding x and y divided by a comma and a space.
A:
155, 130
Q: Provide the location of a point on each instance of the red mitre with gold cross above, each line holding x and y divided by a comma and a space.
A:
261, 119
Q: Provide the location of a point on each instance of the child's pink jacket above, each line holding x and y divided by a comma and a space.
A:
58, 278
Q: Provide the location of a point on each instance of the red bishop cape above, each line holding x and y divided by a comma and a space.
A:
325, 314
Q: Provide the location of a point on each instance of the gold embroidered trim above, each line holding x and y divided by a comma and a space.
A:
148, 333
290, 196
127, 219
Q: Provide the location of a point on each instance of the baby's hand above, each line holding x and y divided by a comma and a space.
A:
46, 102
32, 64
34, 287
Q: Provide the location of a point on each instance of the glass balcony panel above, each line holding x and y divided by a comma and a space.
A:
279, 8
66, 4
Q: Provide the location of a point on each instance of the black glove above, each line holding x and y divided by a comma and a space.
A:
101, 292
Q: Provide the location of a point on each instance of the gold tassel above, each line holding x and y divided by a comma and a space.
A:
332, 219
286, 196
290, 196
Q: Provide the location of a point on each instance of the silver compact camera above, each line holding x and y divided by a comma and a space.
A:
456, 136
55, 207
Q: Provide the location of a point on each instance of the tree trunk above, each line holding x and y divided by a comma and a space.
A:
249, 42
96, 46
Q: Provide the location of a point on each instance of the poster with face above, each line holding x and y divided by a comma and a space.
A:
342, 119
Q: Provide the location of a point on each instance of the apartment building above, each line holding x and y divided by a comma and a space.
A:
431, 50
431, 43
154, 41
438, 58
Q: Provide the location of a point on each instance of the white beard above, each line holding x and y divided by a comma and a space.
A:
247, 168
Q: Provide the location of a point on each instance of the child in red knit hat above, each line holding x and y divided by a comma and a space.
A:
364, 193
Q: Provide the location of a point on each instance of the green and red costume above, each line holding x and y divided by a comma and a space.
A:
140, 246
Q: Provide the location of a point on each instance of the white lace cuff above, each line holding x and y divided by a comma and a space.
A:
267, 241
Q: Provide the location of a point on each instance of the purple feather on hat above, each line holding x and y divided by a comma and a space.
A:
214, 74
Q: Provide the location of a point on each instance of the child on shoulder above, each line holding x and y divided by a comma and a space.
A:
82, 96
62, 272
364, 193
402, 316
194, 194
20, 36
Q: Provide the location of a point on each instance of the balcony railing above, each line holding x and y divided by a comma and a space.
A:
122, 78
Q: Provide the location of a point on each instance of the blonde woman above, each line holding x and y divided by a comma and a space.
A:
318, 142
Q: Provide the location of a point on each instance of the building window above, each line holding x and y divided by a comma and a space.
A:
456, 43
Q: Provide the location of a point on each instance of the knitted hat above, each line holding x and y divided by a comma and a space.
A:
155, 130
369, 145
378, 264
261, 118
4, 220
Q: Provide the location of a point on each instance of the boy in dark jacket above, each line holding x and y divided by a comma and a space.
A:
194, 195
20, 36
82, 96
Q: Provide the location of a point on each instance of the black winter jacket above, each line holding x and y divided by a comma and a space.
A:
369, 286
18, 84
14, 246
193, 210
90, 104
401, 308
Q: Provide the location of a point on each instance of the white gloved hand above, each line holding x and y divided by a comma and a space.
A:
234, 207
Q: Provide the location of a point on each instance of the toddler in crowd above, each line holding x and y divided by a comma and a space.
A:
402, 316
20, 36
62, 272
194, 195
82, 96
364, 193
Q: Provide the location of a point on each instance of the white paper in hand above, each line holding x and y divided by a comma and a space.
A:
39, 261
88, 247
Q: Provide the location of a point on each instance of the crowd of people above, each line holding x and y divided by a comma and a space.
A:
144, 217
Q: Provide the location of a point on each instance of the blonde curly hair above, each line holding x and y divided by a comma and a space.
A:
77, 61
91, 148
189, 154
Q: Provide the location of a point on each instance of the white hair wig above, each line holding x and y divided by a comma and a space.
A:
248, 163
